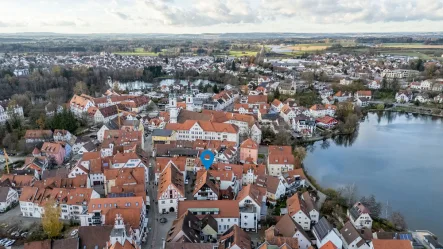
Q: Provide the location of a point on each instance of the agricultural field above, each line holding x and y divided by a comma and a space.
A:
309, 47
409, 45
238, 53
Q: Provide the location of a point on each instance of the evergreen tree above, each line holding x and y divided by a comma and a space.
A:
277, 93
215, 88
233, 66
384, 83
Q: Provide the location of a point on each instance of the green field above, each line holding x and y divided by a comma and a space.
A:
239, 53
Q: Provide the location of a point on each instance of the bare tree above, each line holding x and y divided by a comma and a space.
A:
300, 153
349, 193
373, 206
398, 220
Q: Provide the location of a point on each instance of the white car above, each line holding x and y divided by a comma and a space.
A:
9, 243
74, 232
3, 241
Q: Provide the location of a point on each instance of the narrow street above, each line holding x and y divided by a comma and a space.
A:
157, 230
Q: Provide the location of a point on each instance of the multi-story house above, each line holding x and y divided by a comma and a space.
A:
192, 130
80, 104
171, 189
359, 216
102, 212
73, 202
251, 199
106, 114
62, 136
302, 210
249, 151
54, 151
280, 160
37, 136
286, 227
325, 233
7, 111
251, 172
8, 196
352, 238
225, 212
275, 188
403, 96
205, 188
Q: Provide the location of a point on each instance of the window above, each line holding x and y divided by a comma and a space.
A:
163, 202
170, 201
99, 205
221, 220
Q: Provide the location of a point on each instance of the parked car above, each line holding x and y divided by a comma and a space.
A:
10, 243
3, 241
74, 232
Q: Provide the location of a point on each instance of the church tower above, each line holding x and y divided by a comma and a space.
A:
172, 108
189, 98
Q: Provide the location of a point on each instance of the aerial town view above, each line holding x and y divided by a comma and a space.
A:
220, 124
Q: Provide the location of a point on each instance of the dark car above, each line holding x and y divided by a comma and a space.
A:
163, 220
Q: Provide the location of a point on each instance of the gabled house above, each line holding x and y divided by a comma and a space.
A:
324, 233
280, 159
287, 227
352, 238
251, 172
390, 243
36, 136
8, 196
422, 98
225, 212
403, 96
252, 202
235, 238
363, 94
171, 189
54, 151
302, 210
248, 151
187, 228
275, 188
206, 189
276, 105
359, 215
80, 104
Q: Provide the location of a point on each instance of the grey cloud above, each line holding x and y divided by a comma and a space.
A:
122, 15
204, 13
348, 11
12, 24
119, 14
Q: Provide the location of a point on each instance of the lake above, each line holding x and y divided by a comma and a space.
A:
396, 157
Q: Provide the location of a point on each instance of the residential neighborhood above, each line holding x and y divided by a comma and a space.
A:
117, 161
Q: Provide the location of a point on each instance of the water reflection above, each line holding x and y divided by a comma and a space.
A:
395, 156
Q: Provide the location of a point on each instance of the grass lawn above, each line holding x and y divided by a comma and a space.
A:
239, 53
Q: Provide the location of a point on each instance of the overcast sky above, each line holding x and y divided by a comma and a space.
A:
219, 16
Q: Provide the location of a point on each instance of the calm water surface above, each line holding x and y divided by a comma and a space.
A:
396, 157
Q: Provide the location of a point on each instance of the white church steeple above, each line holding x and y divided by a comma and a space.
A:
172, 108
